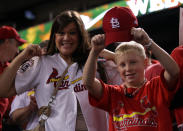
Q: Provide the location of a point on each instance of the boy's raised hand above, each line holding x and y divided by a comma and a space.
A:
140, 36
98, 43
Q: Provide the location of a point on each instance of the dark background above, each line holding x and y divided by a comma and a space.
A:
162, 26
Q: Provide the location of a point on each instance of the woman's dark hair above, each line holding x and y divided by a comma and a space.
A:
60, 22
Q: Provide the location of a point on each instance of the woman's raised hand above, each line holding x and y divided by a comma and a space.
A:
31, 51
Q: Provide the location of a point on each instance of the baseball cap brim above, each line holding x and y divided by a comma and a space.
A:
20, 40
118, 36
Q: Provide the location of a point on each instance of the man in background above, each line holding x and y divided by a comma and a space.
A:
9, 42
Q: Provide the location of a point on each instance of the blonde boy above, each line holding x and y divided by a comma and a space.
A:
137, 104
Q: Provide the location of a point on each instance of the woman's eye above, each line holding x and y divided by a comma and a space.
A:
61, 33
73, 32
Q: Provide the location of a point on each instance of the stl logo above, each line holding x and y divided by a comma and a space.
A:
53, 77
115, 23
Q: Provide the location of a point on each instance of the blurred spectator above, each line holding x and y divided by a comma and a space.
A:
177, 104
24, 107
9, 42
24, 110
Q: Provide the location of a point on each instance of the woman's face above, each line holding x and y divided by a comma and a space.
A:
67, 40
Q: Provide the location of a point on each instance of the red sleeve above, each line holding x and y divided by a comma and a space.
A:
103, 103
168, 94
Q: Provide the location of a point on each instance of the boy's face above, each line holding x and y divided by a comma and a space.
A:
131, 67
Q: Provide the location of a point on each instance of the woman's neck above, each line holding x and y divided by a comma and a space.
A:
68, 59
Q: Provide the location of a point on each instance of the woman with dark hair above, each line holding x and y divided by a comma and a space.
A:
68, 46
69, 19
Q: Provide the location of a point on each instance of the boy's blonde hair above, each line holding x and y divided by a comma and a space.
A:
132, 45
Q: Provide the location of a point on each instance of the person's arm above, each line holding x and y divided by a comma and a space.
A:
21, 116
108, 55
89, 80
7, 78
172, 70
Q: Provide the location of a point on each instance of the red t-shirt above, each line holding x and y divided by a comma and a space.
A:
177, 54
146, 111
3, 101
153, 71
